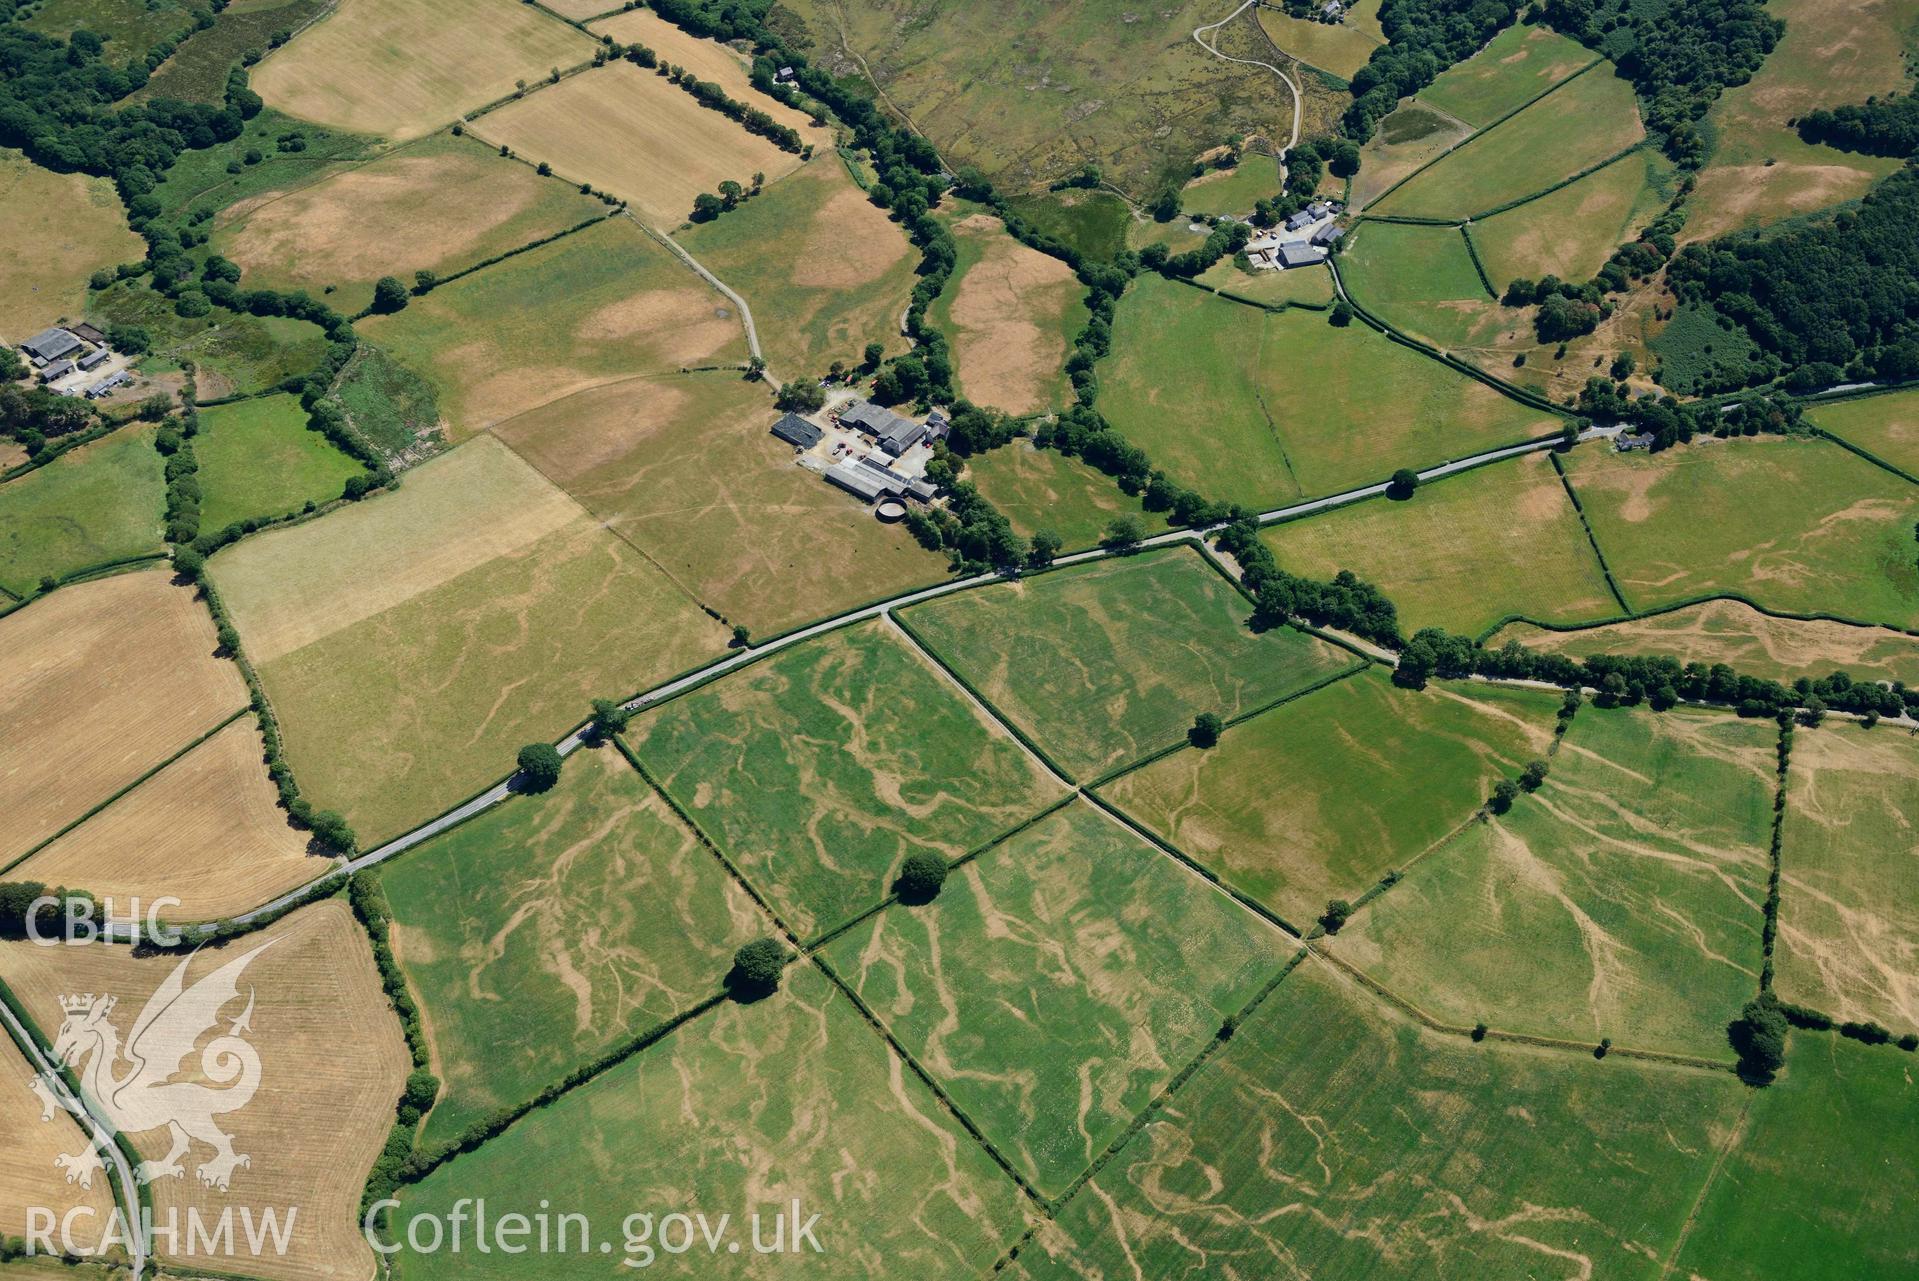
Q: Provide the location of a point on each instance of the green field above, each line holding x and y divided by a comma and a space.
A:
1849, 866
257, 459
550, 929
739, 1113
1574, 127
1822, 1182
1044, 489
1310, 286
1093, 222
597, 307
1421, 279
101, 502
842, 279
820, 769
1058, 982
1886, 426
1463, 552
1621, 900
1800, 526
1260, 408
1327, 1141
1105, 663
1409, 138
1232, 191
234, 354
1319, 798
1572, 232
1518, 65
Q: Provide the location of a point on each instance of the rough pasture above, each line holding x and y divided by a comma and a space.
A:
1043, 489
391, 67
1106, 663
748, 1108
821, 769
1413, 136
99, 683
438, 205
61, 228
1010, 312
1341, 48
1620, 900
1319, 798
258, 459
207, 830
1058, 982
684, 467
548, 930
332, 1062
1572, 232
593, 308
1328, 1139
1463, 552
91, 506
1849, 868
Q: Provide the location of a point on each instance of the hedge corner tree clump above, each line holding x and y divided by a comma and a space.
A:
390, 294
921, 877
757, 967
1338, 912
1402, 485
609, 718
1759, 1037
539, 767
1205, 731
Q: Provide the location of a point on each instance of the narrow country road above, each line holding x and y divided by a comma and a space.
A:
746, 312
102, 1136
1200, 35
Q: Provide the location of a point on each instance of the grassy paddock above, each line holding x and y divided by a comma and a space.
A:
1413, 136
1421, 279
99, 503
1043, 489
1885, 426
1516, 66
1341, 47
1572, 232
258, 459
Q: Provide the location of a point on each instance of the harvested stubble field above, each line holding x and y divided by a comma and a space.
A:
1830, 56
99, 683
684, 468
1800, 526
258, 459
207, 830
1331, 1141
1849, 876
819, 770
1058, 983
629, 131
1620, 900
1260, 408
548, 930
438, 205
1029, 90
841, 277
748, 1108
1730, 632
411, 643
710, 61
1105, 663
91, 506
589, 309
332, 1062
1319, 798
1822, 1180
1414, 135
28, 1177
1039, 489
1576, 126
392, 67
1010, 313
1463, 552
1339, 47
1516, 66
1886, 426
1572, 232
61, 228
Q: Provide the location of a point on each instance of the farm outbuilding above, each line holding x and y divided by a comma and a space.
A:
50, 344
858, 481
88, 333
797, 432
58, 369
1296, 253
95, 358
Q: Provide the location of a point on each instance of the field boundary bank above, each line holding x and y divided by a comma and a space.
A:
484, 263
1775, 862
1592, 539
1691, 602
120, 794
1864, 453
1482, 130
64, 445
1479, 266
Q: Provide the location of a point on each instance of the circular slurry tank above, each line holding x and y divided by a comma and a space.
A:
891, 510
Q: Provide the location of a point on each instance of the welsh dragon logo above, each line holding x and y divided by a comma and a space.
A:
144, 1095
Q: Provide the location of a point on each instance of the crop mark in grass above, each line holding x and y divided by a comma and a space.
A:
1734, 1138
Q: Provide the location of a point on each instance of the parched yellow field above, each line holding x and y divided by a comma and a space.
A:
629, 132
403, 68
61, 228
28, 1175
1412, 136
1760, 171
1009, 317
685, 468
331, 1066
580, 10
99, 683
1572, 232
596, 307
439, 205
1727, 631
707, 59
206, 830
1339, 47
